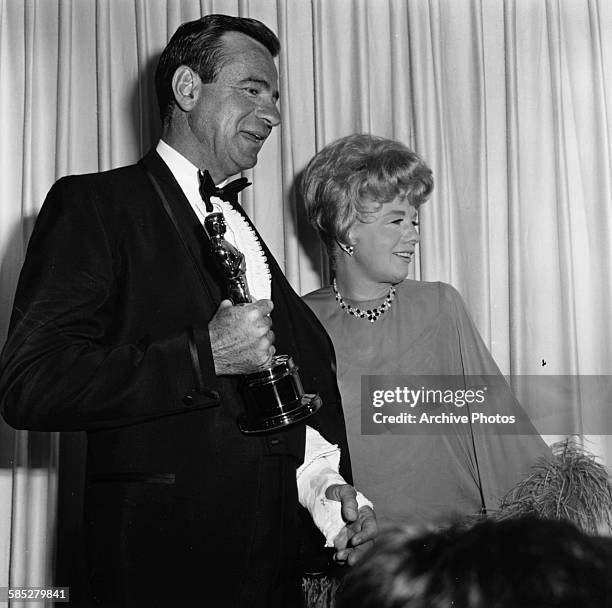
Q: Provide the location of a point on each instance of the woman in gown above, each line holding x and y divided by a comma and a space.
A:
362, 194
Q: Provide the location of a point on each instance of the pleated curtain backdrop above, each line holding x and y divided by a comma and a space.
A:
509, 101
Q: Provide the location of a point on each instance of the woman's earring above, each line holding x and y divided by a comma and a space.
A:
348, 249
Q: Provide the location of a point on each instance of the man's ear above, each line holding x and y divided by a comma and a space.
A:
186, 87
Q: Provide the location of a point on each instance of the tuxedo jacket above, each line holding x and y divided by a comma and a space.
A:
109, 335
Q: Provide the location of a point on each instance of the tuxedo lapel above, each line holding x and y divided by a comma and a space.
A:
186, 222
288, 307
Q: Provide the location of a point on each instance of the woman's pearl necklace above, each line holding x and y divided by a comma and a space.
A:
372, 314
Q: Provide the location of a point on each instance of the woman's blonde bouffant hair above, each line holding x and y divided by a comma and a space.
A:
342, 181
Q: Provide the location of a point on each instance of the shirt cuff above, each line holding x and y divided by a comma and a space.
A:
314, 476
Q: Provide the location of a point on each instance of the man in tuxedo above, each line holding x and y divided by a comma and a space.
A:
120, 328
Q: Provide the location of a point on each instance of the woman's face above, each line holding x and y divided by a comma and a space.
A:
385, 241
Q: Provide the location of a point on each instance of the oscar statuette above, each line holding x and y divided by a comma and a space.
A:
273, 395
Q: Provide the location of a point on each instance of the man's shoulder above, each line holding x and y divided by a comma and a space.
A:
105, 189
107, 178
117, 196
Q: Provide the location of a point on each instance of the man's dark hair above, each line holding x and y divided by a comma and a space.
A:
198, 45
516, 563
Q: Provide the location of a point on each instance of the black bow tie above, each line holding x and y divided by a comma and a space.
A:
229, 192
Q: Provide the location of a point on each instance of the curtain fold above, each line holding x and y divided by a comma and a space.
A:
509, 101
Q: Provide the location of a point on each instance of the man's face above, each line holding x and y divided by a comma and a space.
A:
235, 114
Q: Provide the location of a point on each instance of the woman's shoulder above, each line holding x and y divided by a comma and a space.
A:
428, 290
318, 294
434, 298
319, 300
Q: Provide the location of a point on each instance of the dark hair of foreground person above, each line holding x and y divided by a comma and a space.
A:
517, 563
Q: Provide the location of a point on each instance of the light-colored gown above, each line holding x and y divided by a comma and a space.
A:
421, 478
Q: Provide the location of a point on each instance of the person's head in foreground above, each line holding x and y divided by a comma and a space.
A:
516, 563
362, 194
